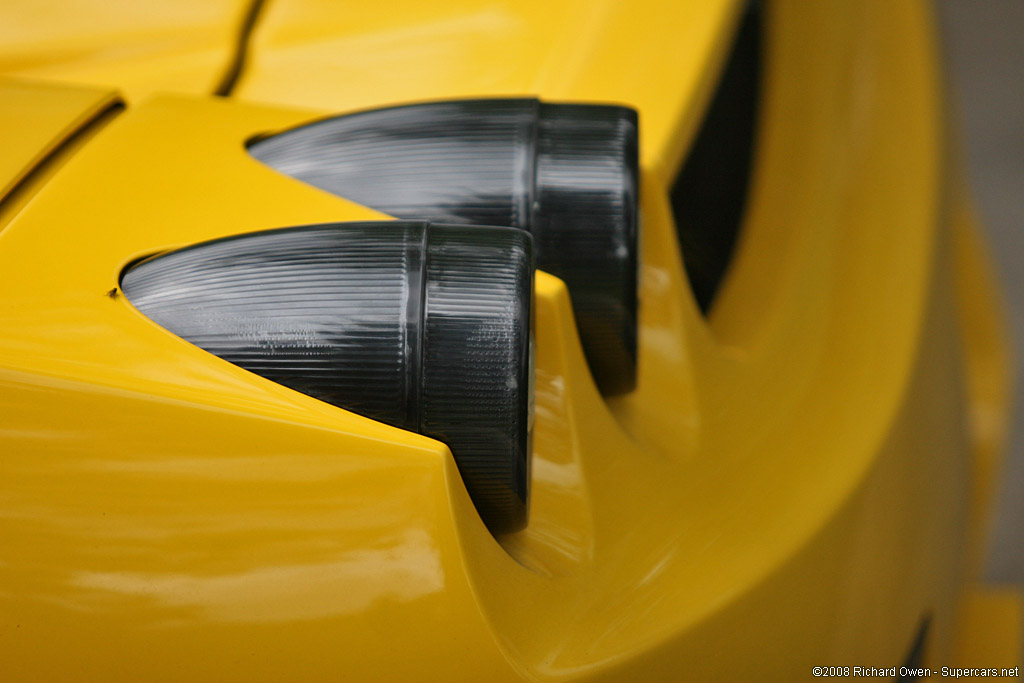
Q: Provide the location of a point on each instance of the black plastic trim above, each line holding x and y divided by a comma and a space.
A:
709, 194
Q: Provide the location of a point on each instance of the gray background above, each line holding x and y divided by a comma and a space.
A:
984, 48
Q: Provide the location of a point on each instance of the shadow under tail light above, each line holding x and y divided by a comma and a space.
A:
568, 173
422, 326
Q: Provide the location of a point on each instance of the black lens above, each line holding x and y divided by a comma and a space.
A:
424, 327
585, 228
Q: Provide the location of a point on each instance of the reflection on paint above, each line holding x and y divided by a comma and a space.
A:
408, 570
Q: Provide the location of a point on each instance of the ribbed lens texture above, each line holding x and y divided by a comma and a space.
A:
475, 281
454, 162
585, 228
420, 326
321, 310
566, 173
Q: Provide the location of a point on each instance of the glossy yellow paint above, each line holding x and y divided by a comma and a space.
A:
42, 127
36, 119
139, 47
656, 56
792, 484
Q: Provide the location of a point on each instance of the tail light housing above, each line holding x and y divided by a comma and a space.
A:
567, 173
422, 326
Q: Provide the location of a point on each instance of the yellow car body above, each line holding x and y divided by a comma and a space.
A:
800, 479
